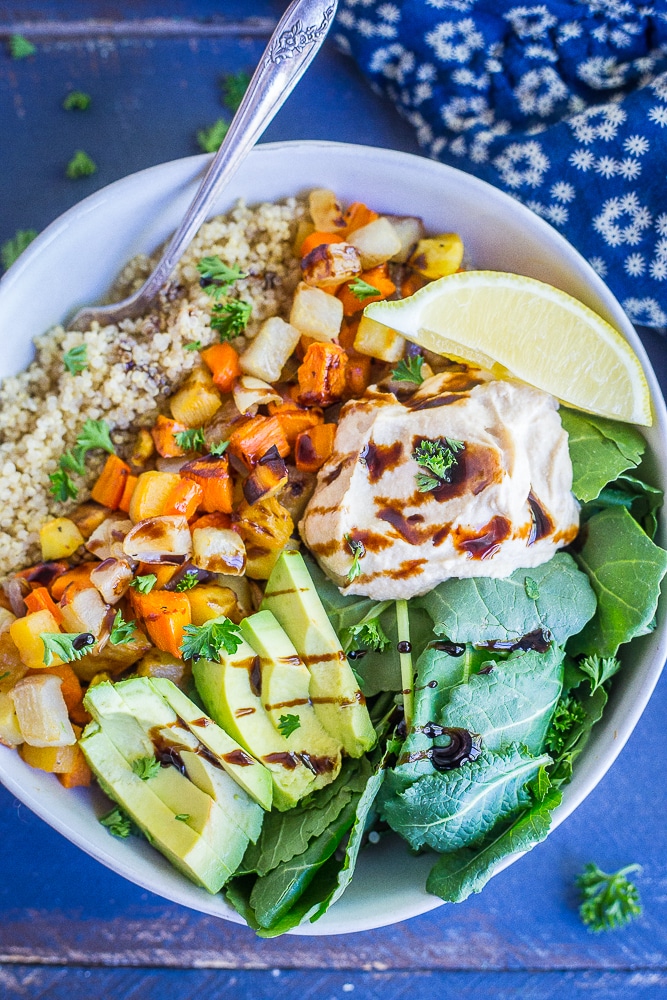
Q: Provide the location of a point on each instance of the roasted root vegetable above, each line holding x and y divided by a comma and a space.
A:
107, 540
59, 538
250, 393
294, 418
158, 663
111, 578
437, 256
313, 447
358, 215
142, 449
10, 734
210, 600
266, 524
128, 493
88, 516
113, 660
70, 685
357, 376
184, 498
316, 314
78, 773
26, 634
218, 550
84, 611
410, 230
76, 578
379, 341
325, 211
197, 400
40, 600
67, 760
317, 239
329, 264
378, 278
110, 486
251, 440
267, 353
41, 711
163, 433
211, 473
322, 375
164, 614
376, 242
12, 667
297, 492
150, 494
266, 480
164, 539
223, 362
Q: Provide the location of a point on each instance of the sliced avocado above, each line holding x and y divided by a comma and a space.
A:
247, 772
285, 693
180, 844
228, 689
224, 790
108, 709
341, 708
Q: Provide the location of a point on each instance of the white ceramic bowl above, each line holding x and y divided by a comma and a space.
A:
74, 262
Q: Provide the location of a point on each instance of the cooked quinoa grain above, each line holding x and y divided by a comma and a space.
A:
132, 368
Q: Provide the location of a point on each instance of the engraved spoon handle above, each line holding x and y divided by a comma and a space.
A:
292, 47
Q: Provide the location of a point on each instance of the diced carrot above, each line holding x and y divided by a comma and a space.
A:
163, 573
40, 600
379, 278
411, 284
255, 437
165, 614
313, 447
110, 486
163, 435
211, 473
294, 418
357, 376
78, 576
317, 239
126, 498
223, 361
215, 520
184, 498
302, 347
80, 775
322, 375
358, 215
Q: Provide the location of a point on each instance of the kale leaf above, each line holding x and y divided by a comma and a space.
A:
600, 450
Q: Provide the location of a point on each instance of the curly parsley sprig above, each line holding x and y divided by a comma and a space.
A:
231, 319
409, 370
208, 640
438, 457
610, 900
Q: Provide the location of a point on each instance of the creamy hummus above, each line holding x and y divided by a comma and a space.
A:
508, 502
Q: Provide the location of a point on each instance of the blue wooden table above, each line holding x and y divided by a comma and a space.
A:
68, 927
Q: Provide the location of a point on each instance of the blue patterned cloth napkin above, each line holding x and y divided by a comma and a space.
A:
562, 104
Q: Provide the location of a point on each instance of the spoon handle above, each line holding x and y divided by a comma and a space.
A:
292, 47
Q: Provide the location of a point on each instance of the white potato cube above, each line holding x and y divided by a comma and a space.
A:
10, 734
219, 550
163, 539
410, 230
41, 711
83, 611
316, 314
377, 242
267, 353
112, 577
378, 340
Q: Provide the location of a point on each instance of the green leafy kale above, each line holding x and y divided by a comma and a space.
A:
12, 249
639, 499
77, 101
121, 631
288, 724
144, 584
146, 767
610, 901
76, 360
80, 165
600, 450
208, 640
210, 139
409, 370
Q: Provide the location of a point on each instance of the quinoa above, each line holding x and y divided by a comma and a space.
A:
132, 367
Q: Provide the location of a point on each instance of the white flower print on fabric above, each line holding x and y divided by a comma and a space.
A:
455, 43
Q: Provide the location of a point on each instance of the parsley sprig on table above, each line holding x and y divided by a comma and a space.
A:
12, 249
69, 646
438, 457
610, 900
77, 101
80, 165
358, 550
208, 640
288, 724
362, 290
409, 370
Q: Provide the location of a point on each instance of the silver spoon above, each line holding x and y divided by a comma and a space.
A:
292, 47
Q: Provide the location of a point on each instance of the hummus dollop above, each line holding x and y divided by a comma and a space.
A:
508, 502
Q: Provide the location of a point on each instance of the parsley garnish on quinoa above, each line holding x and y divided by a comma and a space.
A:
76, 360
231, 319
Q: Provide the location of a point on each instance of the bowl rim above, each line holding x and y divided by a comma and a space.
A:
423, 903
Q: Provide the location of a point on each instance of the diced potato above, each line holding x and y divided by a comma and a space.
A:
410, 230
106, 541
378, 340
26, 632
84, 611
218, 550
53, 759
157, 663
163, 539
240, 586
150, 494
377, 242
10, 734
325, 211
197, 400
261, 561
316, 314
59, 538
89, 516
266, 524
250, 392
210, 600
12, 667
267, 353
266, 480
41, 711
298, 491
112, 577
331, 264
438, 256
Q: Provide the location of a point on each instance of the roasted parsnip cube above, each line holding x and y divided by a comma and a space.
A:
316, 314
267, 353
112, 577
163, 539
26, 634
241, 588
266, 524
265, 480
197, 400
84, 611
409, 229
89, 516
41, 711
12, 667
158, 663
378, 340
325, 211
303, 228
250, 392
59, 538
377, 242
330, 264
438, 256
106, 541
218, 550
10, 734
210, 600
150, 494
112, 660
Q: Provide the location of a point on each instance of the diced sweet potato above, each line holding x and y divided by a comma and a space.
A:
150, 494
266, 480
313, 447
211, 473
163, 434
322, 375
